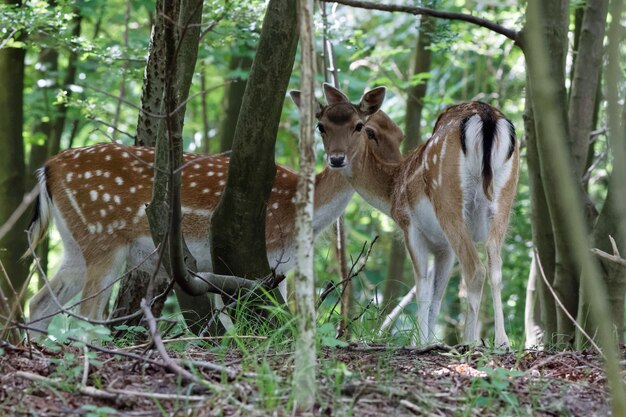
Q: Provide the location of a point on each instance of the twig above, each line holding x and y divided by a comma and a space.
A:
361, 314
352, 274
197, 338
8, 38
420, 350
411, 407
85, 365
90, 391
62, 309
110, 393
558, 301
615, 258
27, 200
157, 395
398, 309
169, 363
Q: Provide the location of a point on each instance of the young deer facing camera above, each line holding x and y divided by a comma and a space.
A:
97, 197
452, 192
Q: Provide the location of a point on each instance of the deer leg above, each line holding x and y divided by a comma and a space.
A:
65, 284
495, 238
472, 271
423, 281
99, 282
444, 260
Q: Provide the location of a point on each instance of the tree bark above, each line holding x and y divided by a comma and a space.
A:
553, 30
611, 221
12, 167
552, 145
233, 98
543, 236
585, 81
238, 223
137, 285
304, 385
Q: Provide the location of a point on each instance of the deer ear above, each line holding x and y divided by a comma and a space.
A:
296, 96
333, 95
372, 100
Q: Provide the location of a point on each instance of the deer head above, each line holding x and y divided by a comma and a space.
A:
343, 121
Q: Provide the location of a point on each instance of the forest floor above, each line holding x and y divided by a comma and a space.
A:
357, 380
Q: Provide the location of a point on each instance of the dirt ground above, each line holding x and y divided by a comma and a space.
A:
356, 380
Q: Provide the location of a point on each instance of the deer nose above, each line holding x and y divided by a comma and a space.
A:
337, 161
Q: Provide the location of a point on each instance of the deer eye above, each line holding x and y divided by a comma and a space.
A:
358, 127
371, 134
321, 128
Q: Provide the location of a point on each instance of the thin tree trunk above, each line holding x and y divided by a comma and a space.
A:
552, 145
543, 236
611, 221
12, 167
304, 385
553, 30
137, 285
238, 223
233, 98
585, 81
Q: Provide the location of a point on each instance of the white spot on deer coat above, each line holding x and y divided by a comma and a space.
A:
69, 176
93, 194
106, 197
119, 180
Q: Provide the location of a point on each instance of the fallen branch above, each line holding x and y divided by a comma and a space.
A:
110, 393
90, 391
169, 363
397, 310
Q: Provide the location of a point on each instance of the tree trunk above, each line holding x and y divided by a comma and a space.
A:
12, 167
553, 29
150, 127
233, 97
543, 236
585, 81
569, 223
238, 223
611, 221
304, 385
136, 285
396, 282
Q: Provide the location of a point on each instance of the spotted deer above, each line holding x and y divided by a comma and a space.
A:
97, 197
454, 191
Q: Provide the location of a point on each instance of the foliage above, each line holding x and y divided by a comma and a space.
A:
371, 48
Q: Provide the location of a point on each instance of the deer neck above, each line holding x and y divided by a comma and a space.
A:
332, 194
373, 177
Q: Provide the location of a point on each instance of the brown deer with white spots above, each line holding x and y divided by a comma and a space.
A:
452, 192
97, 197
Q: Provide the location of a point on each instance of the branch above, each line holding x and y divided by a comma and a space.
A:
171, 364
416, 10
615, 258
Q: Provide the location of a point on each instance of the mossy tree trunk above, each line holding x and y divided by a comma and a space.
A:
233, 97
12, 167
238, 223
188, 15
